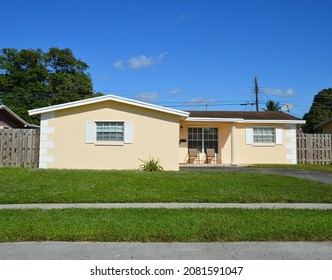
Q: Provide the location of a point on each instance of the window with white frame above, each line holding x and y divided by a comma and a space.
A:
264, 135
109, 131
203, 138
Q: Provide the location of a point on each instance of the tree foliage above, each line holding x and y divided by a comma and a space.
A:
272, 106
32, 78
321, 109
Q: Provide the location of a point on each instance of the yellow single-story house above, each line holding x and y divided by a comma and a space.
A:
112, 132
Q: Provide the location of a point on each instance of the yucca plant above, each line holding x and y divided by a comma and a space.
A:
151, 165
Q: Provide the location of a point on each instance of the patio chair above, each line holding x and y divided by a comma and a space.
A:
192, 153
210, 153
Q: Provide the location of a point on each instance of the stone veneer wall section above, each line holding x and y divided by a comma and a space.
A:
46, 130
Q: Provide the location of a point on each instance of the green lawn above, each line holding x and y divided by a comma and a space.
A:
166, 225
19, 185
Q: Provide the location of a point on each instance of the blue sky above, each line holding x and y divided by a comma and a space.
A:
186, 53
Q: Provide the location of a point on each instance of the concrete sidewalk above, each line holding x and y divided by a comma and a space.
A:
166, 251
323, 206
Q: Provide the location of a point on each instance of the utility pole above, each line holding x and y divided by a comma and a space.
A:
256, 92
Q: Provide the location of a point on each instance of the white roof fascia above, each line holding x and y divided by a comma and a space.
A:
239, 120
194, 119
275, 121
107, 98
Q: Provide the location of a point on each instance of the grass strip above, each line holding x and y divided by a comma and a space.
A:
166, 225
19, 185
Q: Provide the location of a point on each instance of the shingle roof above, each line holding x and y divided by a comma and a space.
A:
323, 122
247, 115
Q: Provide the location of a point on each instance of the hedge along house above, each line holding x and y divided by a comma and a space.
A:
108, 132
239, 138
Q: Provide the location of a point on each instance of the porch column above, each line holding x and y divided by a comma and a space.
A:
233, 146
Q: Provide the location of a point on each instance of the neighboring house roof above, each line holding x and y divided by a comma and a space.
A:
244, 116
323, 123
16, 121
108, 98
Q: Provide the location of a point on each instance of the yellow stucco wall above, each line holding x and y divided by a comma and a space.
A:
284, 153
156, 135
260, 153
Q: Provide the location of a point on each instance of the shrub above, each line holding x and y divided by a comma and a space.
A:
151, 165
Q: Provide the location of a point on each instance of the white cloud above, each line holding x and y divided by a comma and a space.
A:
186, 16
139, 62
119, 65
279, 92
201, 100
175, 91
148, 96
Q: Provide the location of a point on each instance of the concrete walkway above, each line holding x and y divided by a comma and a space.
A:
323, 206
166, 251
324, 177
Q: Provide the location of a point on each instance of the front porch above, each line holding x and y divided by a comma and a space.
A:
208, 143
194, 157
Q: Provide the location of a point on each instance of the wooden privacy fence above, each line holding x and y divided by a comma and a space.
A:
314, 148
19, 147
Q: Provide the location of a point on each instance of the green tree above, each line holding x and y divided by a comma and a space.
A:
272, 106
321, 109
32, 78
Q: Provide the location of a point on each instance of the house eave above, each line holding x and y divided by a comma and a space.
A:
239, 120
225, 120
275, 121
107, 98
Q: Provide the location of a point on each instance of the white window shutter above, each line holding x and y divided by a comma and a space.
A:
249, 135
90, 132
279, 136
128, 133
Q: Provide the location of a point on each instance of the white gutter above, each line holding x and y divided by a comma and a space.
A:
275, 121
239, 120
214, 120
